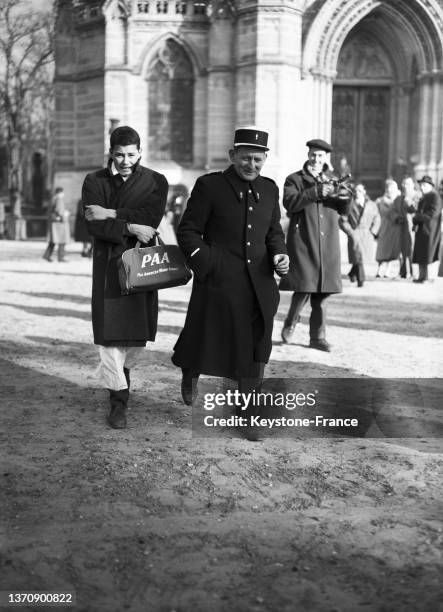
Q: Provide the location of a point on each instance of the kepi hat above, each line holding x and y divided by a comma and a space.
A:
426, 179
251, 136
318, 143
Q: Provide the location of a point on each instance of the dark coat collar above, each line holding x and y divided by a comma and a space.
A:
136, 168
240, 186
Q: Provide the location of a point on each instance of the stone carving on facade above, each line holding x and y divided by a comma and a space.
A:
171, 61
363, 58
221, 9
121, 10
336, 18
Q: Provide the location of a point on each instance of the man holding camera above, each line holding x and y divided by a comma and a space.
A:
313, 199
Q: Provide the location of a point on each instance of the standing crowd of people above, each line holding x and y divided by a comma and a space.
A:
401, 228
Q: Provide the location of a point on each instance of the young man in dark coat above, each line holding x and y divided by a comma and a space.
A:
427, 226
124, 202
231, 235
313, 201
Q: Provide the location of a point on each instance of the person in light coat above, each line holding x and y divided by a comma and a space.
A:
361, 226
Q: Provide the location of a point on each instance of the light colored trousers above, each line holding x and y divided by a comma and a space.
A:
112, 361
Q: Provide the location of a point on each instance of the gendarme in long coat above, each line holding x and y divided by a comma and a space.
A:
117, 320
427, 222
235, 224
313, 235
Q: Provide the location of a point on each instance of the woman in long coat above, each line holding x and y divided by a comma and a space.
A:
389, 237
361, 226
427, 224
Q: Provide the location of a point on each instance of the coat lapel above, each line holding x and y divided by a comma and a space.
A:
238, 186
126, 192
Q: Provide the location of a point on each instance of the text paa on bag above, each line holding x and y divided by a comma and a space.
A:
154, 259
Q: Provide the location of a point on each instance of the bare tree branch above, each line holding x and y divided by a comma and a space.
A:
26, 90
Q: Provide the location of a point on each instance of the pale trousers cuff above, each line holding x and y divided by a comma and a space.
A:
112, 361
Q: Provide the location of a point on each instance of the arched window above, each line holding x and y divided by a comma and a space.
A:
171, 101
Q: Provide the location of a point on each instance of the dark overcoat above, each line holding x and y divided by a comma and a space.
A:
427, 224
117, 320
230, 232
313, 235
80, 230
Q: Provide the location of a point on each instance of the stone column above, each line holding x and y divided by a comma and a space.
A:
424, 124
400, 112
269, 91
435, 151
220, 91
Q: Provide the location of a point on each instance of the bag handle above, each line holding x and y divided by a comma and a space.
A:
157, 242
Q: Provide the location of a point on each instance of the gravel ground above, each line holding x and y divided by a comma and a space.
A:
156, 518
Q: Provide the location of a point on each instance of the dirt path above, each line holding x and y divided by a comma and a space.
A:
154, 519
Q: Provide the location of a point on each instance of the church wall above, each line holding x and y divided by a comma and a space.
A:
200, 121
249, 68
79, 93
79, 134
219, 117
89, 122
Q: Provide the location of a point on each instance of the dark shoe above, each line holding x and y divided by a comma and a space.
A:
419, 280
287, 332
48, 253
119, 405
117, 416
252, 433
360, 284
320, 344
351, 277
186, 387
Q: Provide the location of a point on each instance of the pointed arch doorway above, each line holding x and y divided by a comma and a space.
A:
361, 109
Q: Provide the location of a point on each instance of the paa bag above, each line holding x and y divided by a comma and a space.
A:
151, 268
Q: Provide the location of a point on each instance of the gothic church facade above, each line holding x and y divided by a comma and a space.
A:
365, 74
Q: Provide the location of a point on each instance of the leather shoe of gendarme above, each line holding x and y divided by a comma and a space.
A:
320, 344
117, 416
287, 332
252, 433
188, 395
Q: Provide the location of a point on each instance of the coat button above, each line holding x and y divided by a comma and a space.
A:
248, 244
249, 226
250, 208
249, 191
249, 261
321, 216
322, 233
